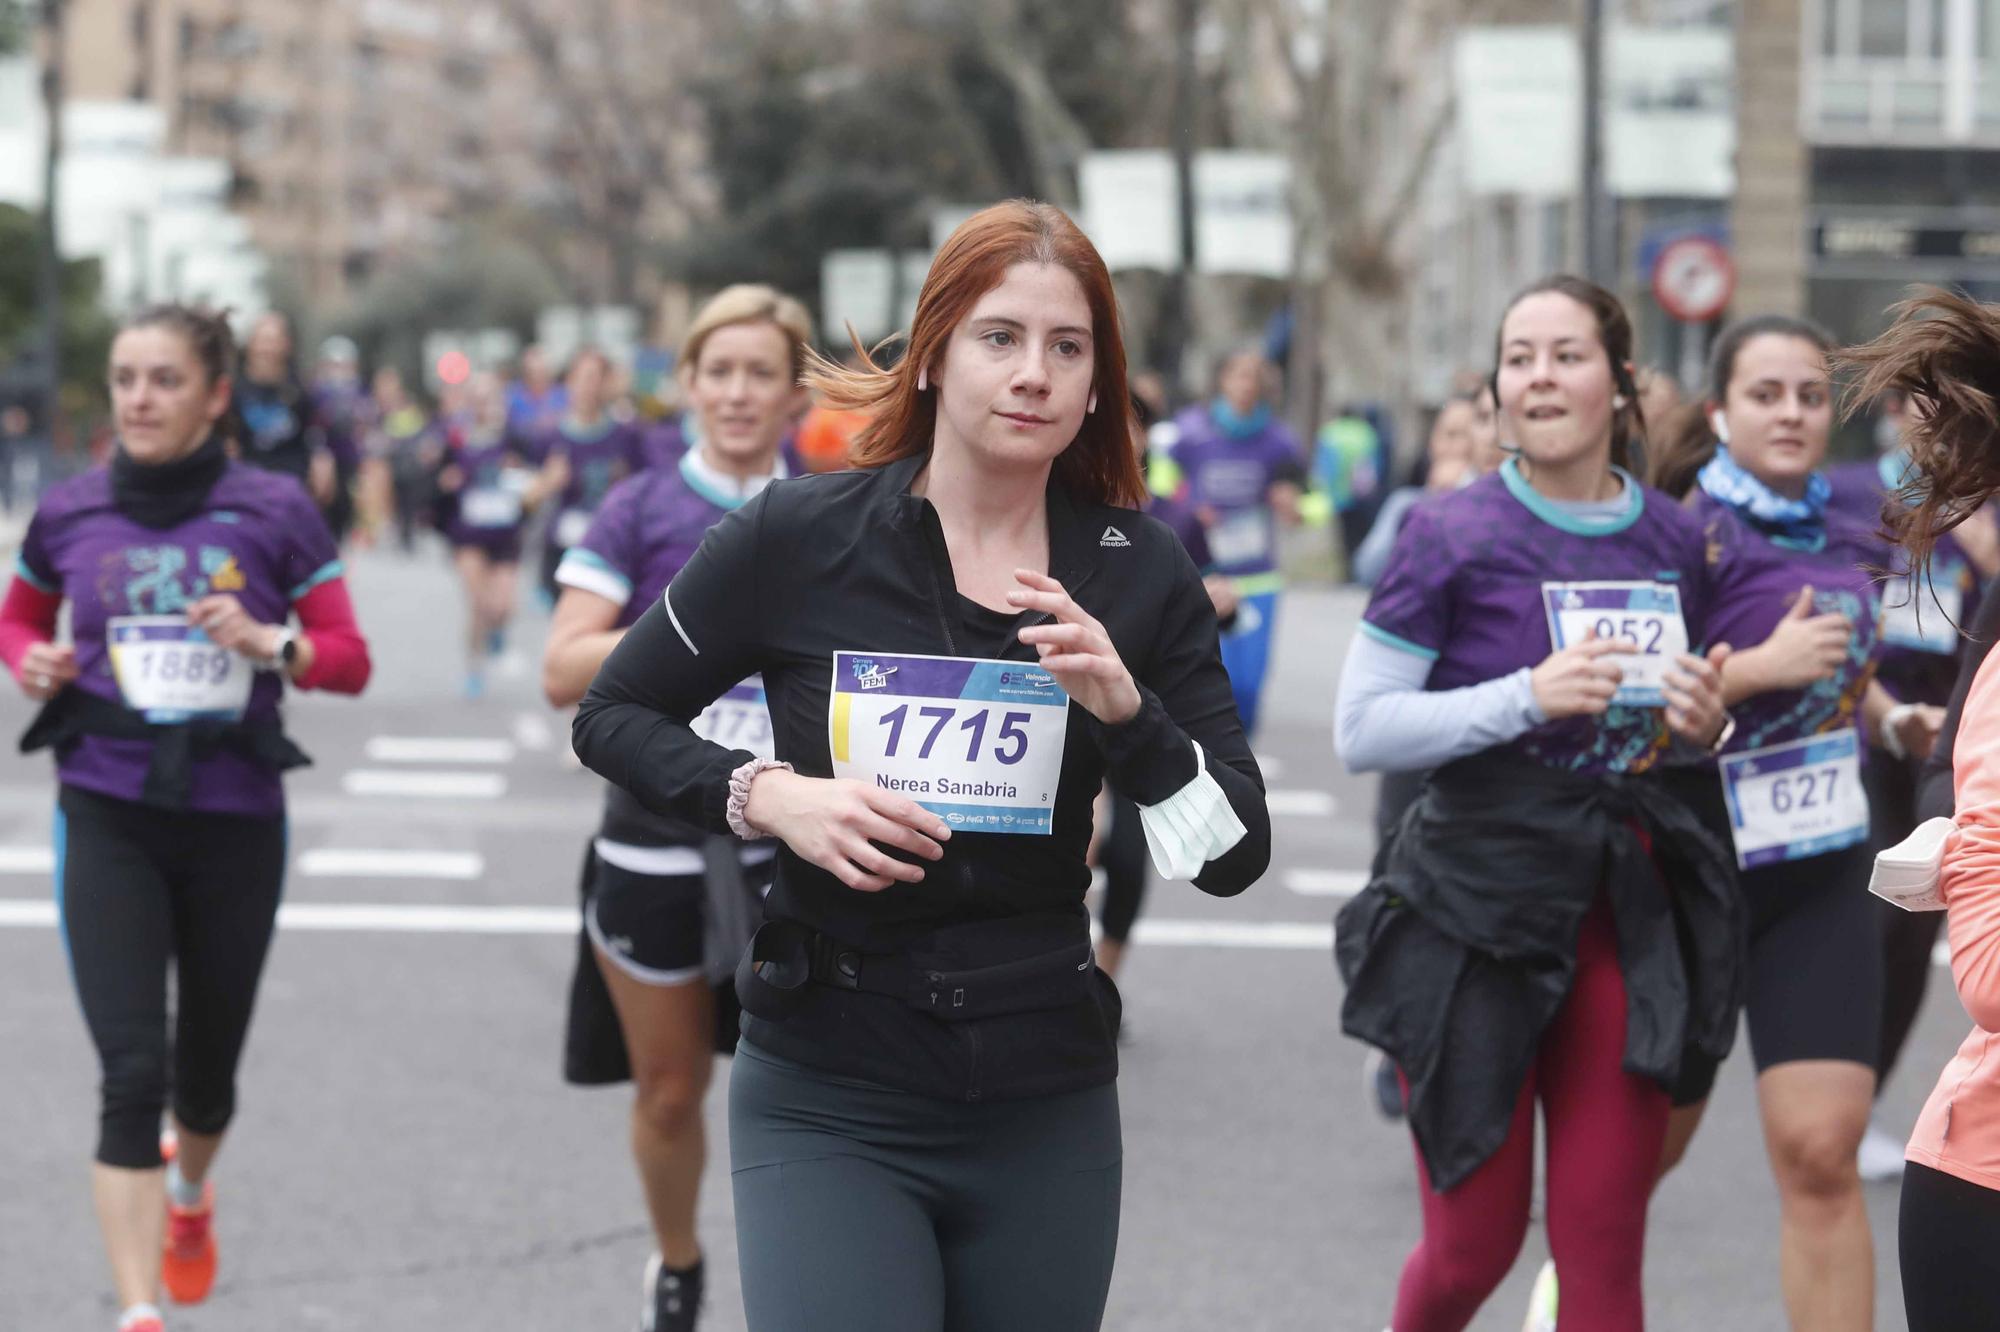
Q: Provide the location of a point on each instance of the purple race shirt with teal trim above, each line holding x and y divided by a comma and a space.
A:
1759, 580
1464, 587
1920, 629
260, 538
1229, 481
647, 528
487, 465
597, 462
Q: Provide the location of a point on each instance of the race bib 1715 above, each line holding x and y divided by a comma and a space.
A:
1648, 614
978, 743
169, 671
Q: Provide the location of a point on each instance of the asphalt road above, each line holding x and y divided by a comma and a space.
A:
406, 1156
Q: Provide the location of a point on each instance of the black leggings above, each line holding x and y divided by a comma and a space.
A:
135, 887
1948, 1232
864, 1209
1123, 856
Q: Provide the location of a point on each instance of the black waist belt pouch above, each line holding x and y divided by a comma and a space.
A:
960, 973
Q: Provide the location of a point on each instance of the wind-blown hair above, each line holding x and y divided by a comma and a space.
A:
1942, 353
1099, 465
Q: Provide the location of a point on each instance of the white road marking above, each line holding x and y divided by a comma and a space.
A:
369, 918
532, 731
1302, 804
27, 860
438, 749
1326, 883
354, 863
422, 783
1286, 934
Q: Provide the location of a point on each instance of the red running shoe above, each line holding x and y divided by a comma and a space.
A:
187, 1268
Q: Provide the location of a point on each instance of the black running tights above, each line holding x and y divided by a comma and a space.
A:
137, 886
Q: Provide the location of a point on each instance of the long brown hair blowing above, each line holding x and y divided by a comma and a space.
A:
1689, 437
1100, 464
1614, 334
1942, 352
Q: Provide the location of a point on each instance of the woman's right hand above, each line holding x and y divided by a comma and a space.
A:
46, 669
1804, 648
834, 822
1578, 681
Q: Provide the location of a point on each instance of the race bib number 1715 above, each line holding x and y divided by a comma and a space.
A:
978, 743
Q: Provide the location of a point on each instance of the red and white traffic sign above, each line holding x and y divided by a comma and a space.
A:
1694, 279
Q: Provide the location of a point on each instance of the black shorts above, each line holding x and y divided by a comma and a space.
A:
652, 926
1815, 960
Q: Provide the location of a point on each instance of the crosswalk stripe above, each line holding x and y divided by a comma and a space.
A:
422, 783
1325, 883
336, 862
27, 860
367, 918
1300, 804
438, 749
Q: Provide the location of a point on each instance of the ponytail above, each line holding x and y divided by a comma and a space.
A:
1943, 354
1687, 443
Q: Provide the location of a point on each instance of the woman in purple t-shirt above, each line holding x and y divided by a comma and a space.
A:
650, 908
181, 571
1798, 581
489, 490
1536, 640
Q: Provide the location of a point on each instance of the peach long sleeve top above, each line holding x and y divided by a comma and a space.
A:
1959, 1129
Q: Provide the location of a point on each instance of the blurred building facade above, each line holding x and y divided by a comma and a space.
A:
1900, 119
353, 129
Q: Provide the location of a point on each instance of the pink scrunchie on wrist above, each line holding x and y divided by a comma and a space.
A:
739, 795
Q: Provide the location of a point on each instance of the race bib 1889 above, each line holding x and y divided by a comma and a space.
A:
1648, 614
740, 719
168, 670
1794, 800
978, 743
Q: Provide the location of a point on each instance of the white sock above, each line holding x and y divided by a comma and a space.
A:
179, 1192
135, 1313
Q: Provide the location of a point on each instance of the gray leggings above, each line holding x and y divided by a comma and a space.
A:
864, 1209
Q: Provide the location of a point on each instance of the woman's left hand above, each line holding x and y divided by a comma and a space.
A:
228, 625
1694, 696
1076, 650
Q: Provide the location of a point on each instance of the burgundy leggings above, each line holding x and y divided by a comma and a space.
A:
1605, 1130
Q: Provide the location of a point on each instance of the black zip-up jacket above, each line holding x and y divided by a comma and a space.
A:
1463, 946
852, 561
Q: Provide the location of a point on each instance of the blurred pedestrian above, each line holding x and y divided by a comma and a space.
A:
1244, 474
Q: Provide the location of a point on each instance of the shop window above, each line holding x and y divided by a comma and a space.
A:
1885, 28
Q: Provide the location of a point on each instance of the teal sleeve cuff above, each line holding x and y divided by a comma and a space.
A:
1387, 639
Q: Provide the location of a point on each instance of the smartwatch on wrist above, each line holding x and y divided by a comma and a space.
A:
286, 652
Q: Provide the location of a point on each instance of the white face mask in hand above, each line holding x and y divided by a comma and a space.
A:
1192, 826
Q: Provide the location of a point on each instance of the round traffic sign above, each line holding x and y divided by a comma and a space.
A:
1693, 279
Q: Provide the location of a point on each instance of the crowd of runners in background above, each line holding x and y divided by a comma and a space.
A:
1648, 675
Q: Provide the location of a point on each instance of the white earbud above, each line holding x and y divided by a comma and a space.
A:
1618, 401
1720, 425
1091, 406
923, 380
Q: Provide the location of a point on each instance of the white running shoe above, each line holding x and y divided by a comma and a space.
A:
1542, 1301
1881, 1156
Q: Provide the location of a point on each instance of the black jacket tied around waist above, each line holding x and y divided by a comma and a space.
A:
1463, 945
